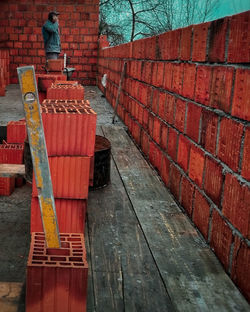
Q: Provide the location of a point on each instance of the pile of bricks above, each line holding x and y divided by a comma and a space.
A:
11, 152
4, 70
63, 90
69, 129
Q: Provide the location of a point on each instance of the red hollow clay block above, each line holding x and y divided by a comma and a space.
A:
69, 127
70, 215
70, 177
209, 128
196, 165
55, 65
199, 49
245, 171
185, 43
180, 113
213, 180
155, 155
172, 143
157, 130
203, 82
11, 153
183, 152
201, 213
170, 108
44, 81
165, 170
241, 99
238, 47
235, 206
187, 194
175, 181
56, 279
229, 142
240, 267
164, 136
65, 92
16, 131
217, 40
189, 74
193, 121
221, 238
7, 186
221, 87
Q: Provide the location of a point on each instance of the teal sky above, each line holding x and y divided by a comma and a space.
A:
230, 7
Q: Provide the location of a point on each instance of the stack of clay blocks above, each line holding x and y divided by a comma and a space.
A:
4, 70
44, 81
64, 90
69, 129
55, 66
11, 152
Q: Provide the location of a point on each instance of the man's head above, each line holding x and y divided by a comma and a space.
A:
53, 16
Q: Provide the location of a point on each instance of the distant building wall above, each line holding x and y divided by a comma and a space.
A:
21, 22
186, 102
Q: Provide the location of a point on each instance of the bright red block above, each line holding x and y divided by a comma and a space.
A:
203, 81
235, 206
229, 142
189, 74
196, 165
70, 177
209, 130
245, 171
185, 43
241, 99
180, 113
187, 194
193, 121
56, 279
183, 152
172, 143
200, 33
70, 215
201, 213
175, 181
221, 238
16, 131
7, 186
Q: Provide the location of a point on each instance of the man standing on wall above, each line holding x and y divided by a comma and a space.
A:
51, 37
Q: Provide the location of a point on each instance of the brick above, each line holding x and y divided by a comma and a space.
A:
150, 124
147, 72
11, 153
239, 38
157, 130
240, 267
70, 215
177, 78
69, 127
230, 142
44, 81
241, 99
221, 238
213, 180
155, 155
183, 152
185, 43
209, 130
168, 44
203, 81
144, 142
200, 33
172, 143
217, 40
193, 121
175, 181
196, 165
16, 131
168, 76
70, 177
161, 104
7, 186
165, 170
170, 108
56, 279
155, 101
201, 213
180, 114
189, 75
221, 88
187, 194
245, 170
235, 206
164, 136
145, 118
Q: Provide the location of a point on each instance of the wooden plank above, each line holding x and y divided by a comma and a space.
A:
12, 170
193, 276
10, 293
27, 81
119, 251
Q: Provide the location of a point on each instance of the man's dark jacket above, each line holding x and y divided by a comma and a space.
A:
51, 37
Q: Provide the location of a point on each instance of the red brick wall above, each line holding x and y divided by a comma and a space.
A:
185, 101
21, 22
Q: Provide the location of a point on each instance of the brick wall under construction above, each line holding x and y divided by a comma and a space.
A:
21, 22
185, 101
